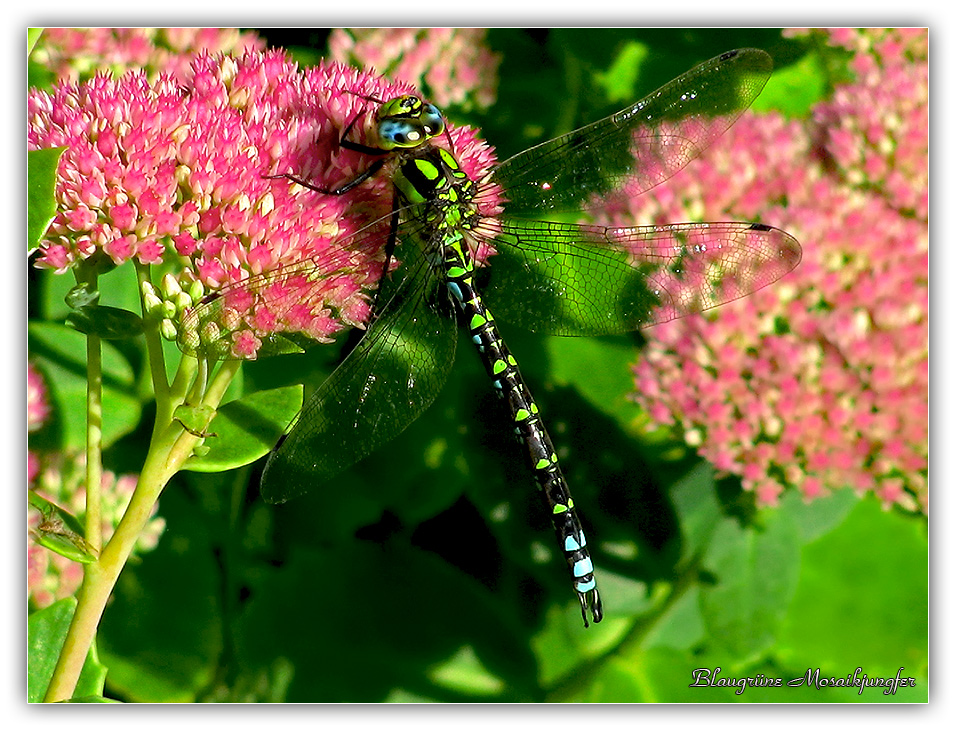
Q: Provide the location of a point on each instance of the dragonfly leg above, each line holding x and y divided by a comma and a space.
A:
355, 146
345, 188
389, 251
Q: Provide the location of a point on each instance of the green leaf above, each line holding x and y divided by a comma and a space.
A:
794, 89
698, 511
822, 515
57, 538
47, 508
562, 649
81, 295
117, 288
465, 673
599, 368
617, 680
112, 324
60, 353
33, 35
194, 419
756, 571
862, 597
246, 429
622, 76
41, 183
46, 632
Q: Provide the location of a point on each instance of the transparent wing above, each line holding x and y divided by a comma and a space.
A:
571, 279
308, 300
383, 386
640, 146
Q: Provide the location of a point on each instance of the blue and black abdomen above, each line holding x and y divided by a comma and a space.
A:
503, 370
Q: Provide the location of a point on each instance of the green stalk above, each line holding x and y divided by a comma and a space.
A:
171, 445
94, 441
164, 459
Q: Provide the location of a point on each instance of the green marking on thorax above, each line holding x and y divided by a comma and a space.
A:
409, 191
428, 170
449, 159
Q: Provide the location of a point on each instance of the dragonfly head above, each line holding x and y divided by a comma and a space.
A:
408, 122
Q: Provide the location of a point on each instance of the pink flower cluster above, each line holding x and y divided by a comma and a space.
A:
175, 171
819, 381
868, 127
38, 409
450, 65
77, 54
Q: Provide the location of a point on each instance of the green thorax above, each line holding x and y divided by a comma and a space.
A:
431, 181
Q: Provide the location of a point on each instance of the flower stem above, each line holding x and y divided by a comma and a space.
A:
94, 441
170, 448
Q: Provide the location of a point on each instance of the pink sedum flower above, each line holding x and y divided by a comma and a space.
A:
452, 66
875, 129
38, 407
175, 172
819, 381
77, 54
38, 410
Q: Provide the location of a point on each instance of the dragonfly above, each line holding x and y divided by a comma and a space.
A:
550, 276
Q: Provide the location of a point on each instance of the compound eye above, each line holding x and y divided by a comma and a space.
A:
432, 120
399, 133
398, 107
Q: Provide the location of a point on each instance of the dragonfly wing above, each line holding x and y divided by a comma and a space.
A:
300, 302
641, 145
571, 279
390, 378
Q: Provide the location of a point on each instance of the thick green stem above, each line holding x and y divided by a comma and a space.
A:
165, 458
170, 448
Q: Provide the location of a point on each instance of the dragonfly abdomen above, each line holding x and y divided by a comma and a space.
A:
503, 369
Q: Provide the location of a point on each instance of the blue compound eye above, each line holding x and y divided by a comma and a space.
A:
432, 120
400, 133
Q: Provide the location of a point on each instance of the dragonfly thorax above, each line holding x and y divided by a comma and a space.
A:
431, 178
